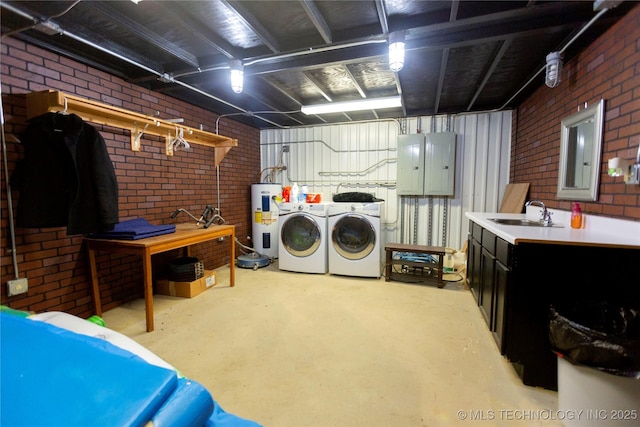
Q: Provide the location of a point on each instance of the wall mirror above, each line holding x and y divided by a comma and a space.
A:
580, 149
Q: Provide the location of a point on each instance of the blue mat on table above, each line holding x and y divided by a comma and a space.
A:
134, 229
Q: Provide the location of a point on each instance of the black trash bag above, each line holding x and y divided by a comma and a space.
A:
600, 335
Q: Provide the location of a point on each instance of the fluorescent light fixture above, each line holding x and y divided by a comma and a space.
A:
554, 69
396, 51
237, 75
362, 104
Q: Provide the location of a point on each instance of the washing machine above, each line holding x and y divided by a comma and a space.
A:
302, 228
355, 243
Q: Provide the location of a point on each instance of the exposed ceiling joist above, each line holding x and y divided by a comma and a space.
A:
131, 26
254, 24
318, 20
460, 55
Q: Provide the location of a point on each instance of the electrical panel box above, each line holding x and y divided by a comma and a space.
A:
440, 164
426, 164
410, 161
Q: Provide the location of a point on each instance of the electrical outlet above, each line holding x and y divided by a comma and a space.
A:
17, 287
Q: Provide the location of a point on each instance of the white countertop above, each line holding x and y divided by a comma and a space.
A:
598, 231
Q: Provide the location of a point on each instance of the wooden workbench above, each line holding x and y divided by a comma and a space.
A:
184, 236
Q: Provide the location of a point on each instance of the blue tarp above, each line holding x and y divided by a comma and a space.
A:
55, 377
134, 229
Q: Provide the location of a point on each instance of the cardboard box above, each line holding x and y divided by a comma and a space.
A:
186, 289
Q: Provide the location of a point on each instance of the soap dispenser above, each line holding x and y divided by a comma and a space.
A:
576, 216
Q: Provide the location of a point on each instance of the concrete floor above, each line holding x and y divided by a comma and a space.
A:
292, 349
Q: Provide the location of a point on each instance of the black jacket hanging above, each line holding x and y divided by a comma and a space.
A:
66, 177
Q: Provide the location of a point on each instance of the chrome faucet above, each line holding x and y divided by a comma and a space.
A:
545, 215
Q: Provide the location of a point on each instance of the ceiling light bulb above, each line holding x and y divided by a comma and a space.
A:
396, 51
554, 69
237, 75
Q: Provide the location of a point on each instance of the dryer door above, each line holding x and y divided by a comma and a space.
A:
353, 236
300, 235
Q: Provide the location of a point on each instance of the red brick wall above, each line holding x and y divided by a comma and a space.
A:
609, 69
151, 185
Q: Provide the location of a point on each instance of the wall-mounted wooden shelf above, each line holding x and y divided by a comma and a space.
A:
39, 103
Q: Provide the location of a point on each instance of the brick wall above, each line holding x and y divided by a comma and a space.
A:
609, 69
151, 185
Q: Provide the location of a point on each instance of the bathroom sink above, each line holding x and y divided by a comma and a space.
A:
522, 222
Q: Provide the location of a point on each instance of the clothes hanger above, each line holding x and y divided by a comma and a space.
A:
65, 112
179, 142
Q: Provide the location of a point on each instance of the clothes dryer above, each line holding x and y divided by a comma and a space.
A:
303, 237
355, 245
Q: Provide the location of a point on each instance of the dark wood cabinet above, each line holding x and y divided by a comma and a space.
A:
515, 286
473, 259
502, 277
502, 280
487, 273
488, 277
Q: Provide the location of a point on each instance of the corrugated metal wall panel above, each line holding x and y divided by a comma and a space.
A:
362, 157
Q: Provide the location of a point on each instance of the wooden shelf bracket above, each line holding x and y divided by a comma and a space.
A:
138, 124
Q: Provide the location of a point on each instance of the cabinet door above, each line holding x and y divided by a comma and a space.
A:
487, 271
473, 268
502, 276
